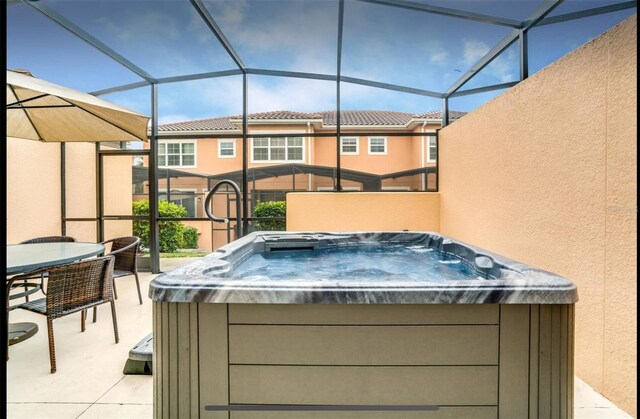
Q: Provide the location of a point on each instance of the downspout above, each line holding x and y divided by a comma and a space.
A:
310, 160
424, 176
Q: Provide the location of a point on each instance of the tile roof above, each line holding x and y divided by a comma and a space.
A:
213, 124
438, 115
364, 118
347, 118
279, 115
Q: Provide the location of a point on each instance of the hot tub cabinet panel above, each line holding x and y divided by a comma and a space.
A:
309, 320
469, 361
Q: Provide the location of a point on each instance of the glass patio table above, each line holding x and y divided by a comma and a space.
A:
23, 258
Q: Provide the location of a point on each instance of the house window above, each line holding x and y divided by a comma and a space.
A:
277, 149
226, 148
349, 145
184, 197
433, 150
377, 145
176, 154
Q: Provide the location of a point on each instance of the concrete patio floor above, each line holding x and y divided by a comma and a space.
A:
90, 384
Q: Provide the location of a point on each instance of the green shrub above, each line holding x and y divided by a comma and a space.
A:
190, 238
270, 209
171, 232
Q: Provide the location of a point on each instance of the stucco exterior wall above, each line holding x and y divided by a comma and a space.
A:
33, 190
363, 211
80, 165
546, 174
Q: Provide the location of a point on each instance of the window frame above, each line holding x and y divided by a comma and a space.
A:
226, 140
185, 191
377, 153
435, 146
349, 153
286, 149
195, 153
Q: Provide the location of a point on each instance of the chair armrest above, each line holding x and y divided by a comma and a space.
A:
115, 252
28, 275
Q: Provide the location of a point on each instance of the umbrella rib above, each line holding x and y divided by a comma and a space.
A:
101, 118
40, 107
27, 113
25, 100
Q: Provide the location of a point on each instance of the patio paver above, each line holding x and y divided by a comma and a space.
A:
90, 384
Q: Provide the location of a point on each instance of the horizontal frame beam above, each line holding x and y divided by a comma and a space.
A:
445, 11
122, 88
394, 87
201, 136
588, 12
292, 74
484, 89
276, 73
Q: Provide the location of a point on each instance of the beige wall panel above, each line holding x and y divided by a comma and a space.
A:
33, 189
117, 228
118, 187
620, 343
448, 412
364, 345
371, 314
447, 385
83, 231
527, 176
363, 211
81, 180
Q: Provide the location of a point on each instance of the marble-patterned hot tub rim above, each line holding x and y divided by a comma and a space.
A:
207, 279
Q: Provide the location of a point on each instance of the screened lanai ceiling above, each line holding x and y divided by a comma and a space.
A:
425, 50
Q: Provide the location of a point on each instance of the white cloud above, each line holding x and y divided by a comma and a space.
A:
168, 119
436, 53
501, 68
294, 36
291, 94
474, 50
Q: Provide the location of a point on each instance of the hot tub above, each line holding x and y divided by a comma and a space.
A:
361, 325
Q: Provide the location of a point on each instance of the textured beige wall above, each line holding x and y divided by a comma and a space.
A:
33, 189
118, 194
363, 211
546, 174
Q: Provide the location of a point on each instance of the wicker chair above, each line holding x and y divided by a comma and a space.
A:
29, 286
125, 250
73, 288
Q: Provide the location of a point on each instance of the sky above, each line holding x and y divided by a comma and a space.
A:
385, 44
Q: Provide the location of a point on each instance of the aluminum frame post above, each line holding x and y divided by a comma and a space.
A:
338, 185
445, 112
154, 234
245, 161
523, 42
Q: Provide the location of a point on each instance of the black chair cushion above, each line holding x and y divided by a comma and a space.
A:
118, 273
38, 306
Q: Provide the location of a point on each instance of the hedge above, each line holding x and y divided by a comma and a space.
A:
270, 209
173, 234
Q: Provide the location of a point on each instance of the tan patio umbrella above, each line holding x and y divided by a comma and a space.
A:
39, 110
